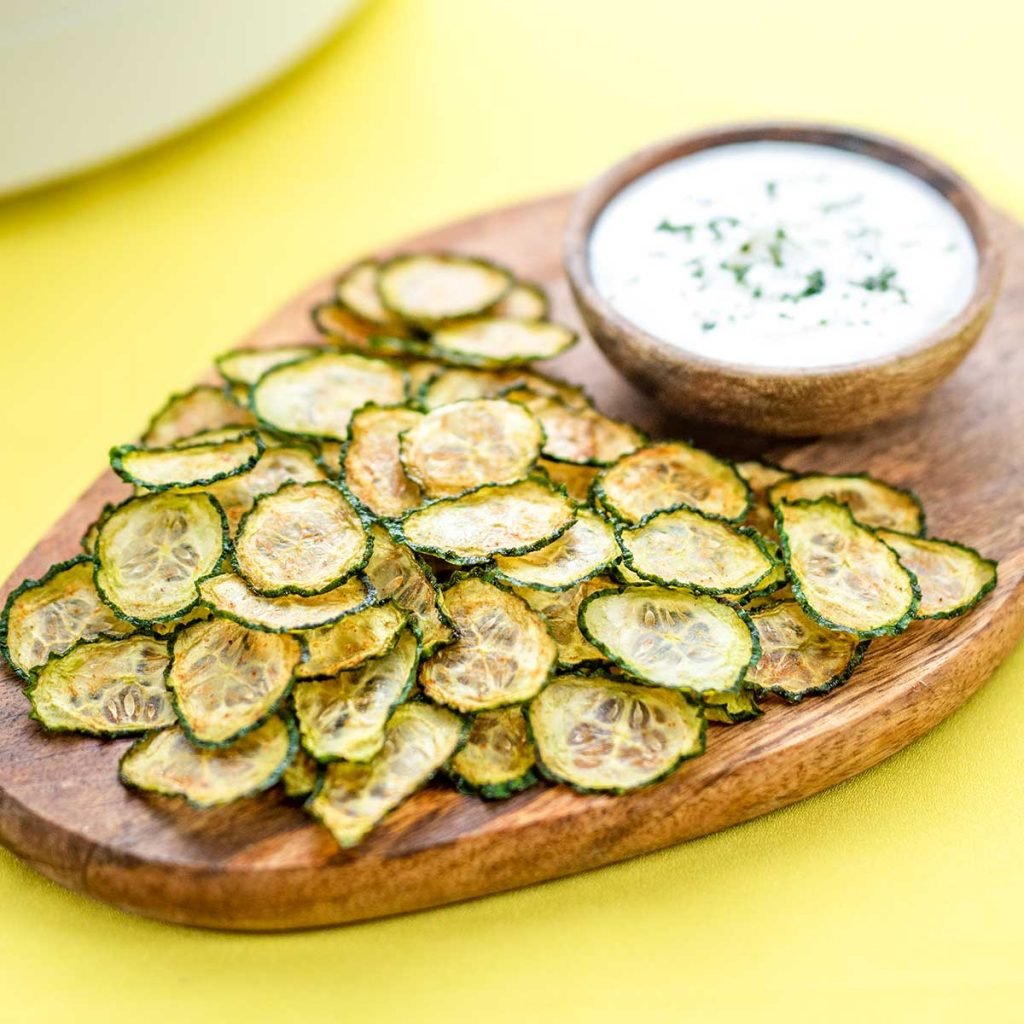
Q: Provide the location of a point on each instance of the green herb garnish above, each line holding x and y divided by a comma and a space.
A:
775, 247
814, 286
713, 225
882, 282
679, 229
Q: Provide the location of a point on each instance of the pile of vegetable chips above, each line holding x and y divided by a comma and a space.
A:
402, 551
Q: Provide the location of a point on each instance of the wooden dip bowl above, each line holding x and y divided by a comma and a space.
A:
798, 401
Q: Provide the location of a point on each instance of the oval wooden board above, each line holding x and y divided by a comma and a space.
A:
264, 865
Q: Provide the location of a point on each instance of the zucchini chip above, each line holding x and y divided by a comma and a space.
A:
731, 708
872, 502
669, 474
88, 541
227, 680
104, 688
686, 548
356, 291
498, 757
674, 638
302, 539
427, 288
169, 627
352, 798
245, 366
50, 615
560, 611
203, 408
397, 575
501, 341
157, 469
419, 371
353, 640
329, 456
343, 718
503, 653
371, 467
455, 383
228, 597
317, 396
458, 447
761, 477
152, 551
300, 777
166, 762
525, 301
799, 658
953, 578
587, 548
577, 480
844, 577
600, 734
492, 520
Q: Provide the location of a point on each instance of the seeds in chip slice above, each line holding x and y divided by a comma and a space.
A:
731, 708
503, 653
245, 366
350, 642
674, 638
353, 798
524, 301
498, 757
104, 688
166, 762
228, 597
953, 578
458, 447
844, 577
157, 469
600, 734
397, 575
501, 341
343, 718
317, 396
492, 520
50, 615
300, 777
669, 474
685, 548
587, 548
800, 658
560, 611
153, 550
203, 408
372, 469
428, 288
872, 502
455, 383
227, 680
761, 477
302, 539
357, 292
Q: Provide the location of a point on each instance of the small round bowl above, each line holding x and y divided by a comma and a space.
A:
795, 402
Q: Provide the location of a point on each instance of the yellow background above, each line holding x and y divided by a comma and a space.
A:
897, 895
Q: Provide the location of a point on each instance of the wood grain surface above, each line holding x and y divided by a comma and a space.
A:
263, 865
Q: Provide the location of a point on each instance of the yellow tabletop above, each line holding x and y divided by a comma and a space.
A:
896, 896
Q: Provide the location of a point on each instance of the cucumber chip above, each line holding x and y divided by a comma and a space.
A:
50, 615
185, 415
498, 757
577, 480
373, 472
157, 469
501, 341
316, 397
300, 777
302, 539
329, 456
428, 288
587, 548
492, 520
152, 551
167, 763
245, 366
872, 502
673, 638
357, 292
844, 577
686, 548
667, 475
458, 447
349, 643
761, 477
600, 734
800, 658
731, 708
560, 611
953, 578
503, 653
352, 798
524, 301
344, 717
228, 596
227, 679
104, 688
455, 383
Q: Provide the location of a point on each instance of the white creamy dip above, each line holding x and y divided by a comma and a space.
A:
783, 254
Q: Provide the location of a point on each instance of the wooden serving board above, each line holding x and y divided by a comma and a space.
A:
262, 864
